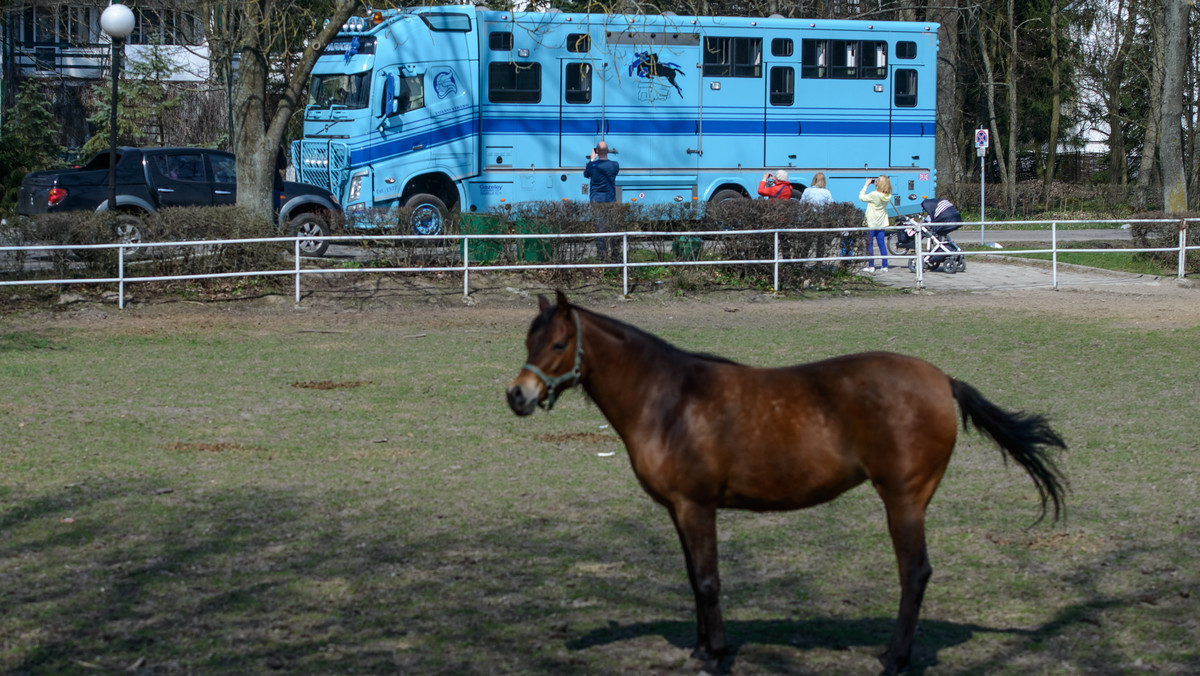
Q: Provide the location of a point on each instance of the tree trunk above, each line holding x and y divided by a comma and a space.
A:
1148, 167
1119, 164
257, 139
1010, 176
1048, 175
949, 143
990, 96
1174, 58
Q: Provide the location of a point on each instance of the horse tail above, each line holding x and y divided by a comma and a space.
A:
1025, 437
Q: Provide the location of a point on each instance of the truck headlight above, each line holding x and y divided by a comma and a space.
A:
355, 187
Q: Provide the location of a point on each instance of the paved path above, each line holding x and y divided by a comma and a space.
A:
992, 271
996, 273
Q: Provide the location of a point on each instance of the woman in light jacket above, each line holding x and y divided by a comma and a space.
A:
876, 218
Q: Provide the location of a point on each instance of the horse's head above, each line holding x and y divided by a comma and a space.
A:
554, 360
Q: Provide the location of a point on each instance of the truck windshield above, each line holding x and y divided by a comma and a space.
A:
348, 91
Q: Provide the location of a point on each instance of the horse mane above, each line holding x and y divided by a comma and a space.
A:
617, 326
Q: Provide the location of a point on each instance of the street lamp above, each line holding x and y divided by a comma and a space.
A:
117, 23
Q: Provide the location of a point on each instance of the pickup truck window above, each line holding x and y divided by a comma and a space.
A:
224, 168
184, 167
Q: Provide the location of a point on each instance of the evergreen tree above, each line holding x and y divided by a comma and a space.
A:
29, 141
144, 97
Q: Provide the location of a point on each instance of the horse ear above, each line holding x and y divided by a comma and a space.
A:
561, 298
543, 303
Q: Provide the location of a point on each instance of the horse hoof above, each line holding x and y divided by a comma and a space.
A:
891, 667
708, 663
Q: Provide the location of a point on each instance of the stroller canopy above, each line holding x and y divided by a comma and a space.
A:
941, 211
944, 218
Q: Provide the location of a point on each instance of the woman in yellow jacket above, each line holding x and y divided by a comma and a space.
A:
876, 218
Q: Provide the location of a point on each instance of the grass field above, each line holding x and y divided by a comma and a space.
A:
214, 491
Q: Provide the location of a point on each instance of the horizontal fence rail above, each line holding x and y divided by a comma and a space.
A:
628, 240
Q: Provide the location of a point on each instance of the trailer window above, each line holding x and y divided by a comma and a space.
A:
343, 91
844, 59
500, 41
732, 57
783, 86
781, 47
814, 58
906, 88
511, 82
873, 60
579, 43
906, 50
579, 83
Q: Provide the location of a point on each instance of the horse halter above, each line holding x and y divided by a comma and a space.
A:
572, 375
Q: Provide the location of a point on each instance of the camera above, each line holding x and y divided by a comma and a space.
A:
770, 180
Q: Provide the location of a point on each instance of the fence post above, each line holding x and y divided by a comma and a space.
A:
1054, 253
625, 264
1182, 245
296, 256
775, 288
466, 265
121, 277
920, 258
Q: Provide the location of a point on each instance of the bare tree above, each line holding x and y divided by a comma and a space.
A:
1055, 103
1170, 145
278, 41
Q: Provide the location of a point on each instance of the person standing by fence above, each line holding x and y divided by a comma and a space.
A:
876, 218
602, 189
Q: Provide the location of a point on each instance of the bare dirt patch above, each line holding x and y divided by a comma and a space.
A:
330, 385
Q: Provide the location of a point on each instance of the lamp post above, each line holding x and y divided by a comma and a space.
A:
117, 23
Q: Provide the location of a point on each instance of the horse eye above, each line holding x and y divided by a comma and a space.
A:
560, 346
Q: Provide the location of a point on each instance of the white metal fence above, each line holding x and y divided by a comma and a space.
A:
628, 242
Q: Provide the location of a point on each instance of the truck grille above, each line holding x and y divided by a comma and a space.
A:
322, 163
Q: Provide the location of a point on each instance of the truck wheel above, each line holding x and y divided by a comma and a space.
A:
428, 214
310, 225
727, 194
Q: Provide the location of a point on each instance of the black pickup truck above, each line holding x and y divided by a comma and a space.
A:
149, 179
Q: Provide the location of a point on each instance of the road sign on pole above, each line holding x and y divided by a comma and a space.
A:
981, 146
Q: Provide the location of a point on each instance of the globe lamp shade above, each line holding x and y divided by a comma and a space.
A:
117, 21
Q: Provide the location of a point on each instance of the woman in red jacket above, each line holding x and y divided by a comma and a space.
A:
775, 187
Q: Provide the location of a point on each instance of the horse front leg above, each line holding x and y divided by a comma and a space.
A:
697, 528
907, 528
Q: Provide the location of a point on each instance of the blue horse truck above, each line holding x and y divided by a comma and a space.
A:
445, 108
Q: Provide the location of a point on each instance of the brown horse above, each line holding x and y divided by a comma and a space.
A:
705, 433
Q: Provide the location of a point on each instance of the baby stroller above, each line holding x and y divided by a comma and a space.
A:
941, 253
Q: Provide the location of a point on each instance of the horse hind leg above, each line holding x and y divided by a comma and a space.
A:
697, 529
906, 524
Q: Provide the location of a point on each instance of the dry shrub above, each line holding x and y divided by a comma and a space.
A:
77, 228
762, 214
577, 217
1166, 234
182, 224
70, 229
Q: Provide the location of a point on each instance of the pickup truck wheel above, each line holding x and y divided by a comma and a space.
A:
128, 230
428, 214
310, 225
